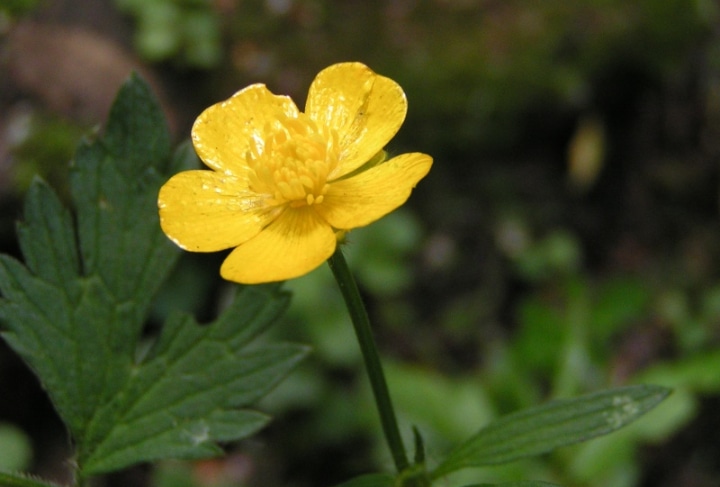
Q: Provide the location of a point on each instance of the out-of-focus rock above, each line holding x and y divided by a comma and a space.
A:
73, 72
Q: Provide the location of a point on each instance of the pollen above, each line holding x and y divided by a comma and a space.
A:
293, 163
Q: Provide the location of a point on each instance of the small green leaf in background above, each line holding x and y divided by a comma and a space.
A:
526, 483
541, 429
20, 480
15, 448
76, 309
370, 480
187, 31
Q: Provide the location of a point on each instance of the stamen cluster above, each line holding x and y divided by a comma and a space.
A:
293, 163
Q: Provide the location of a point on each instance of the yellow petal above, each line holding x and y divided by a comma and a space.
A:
223, 133
205, 211
293, 245
372, 194
365, 109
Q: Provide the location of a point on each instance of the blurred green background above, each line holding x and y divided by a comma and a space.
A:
566, 240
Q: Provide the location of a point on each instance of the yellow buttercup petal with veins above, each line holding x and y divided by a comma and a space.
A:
200, 210
372, 194
291, 246
365, 109
284, 184
224, 133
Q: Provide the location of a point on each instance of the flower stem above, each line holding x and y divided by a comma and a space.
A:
364, 334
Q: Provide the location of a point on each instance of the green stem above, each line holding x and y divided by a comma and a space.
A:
361, 323
20, 480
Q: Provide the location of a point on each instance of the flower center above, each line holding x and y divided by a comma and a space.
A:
293, 161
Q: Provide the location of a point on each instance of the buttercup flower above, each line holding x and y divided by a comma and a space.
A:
285, 183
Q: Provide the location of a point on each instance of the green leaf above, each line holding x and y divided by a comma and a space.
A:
370, 480
541, 429
114, 184
76, 312
20, 480
185, 396
76, 309
16, 450
524, 483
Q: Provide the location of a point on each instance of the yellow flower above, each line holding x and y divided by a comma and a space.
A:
283, 183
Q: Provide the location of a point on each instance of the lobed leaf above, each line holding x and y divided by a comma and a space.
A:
46, 237
114, 183
541, 429
185, 396
45, 328
75, 310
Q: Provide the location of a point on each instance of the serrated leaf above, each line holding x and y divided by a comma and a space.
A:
114, 183
184, 397
370, 480
46, 237
559, 423
71, 360
75, 310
